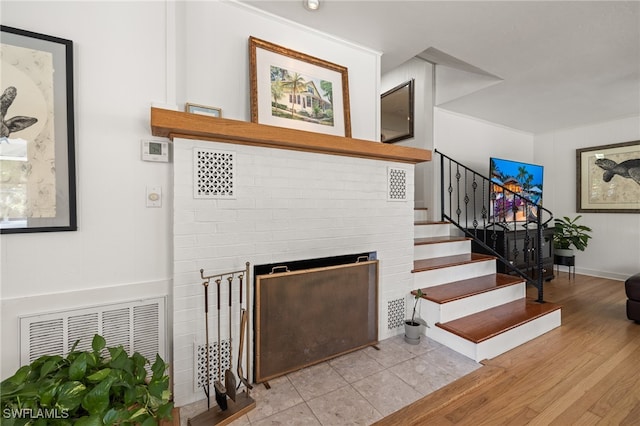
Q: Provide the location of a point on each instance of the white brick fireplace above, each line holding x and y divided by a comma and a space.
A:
281, 205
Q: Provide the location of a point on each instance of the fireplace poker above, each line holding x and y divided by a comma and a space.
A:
206, 327
243, 326
229, 378
221, 392
247, 306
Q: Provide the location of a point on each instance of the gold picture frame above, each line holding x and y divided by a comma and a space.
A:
294, 90
608, 178
202, 110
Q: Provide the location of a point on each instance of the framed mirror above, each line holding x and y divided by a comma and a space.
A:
396, 110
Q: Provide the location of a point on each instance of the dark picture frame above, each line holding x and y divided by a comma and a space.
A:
397, 113
37, 144
608, 178
297, 91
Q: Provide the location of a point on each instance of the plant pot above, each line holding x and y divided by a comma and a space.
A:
563, 252
412, 332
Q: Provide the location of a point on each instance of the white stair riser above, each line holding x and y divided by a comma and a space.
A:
429, 251
510, 339
420, 215
432, 230
453, 273
455, 342
499, 344
470, 305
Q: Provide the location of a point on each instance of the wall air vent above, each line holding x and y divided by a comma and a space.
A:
214, 173
139, 326
397, 184
200, 367
395, 313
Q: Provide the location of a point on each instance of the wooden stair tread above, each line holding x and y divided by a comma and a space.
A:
429, 222
456, 290
447, 261
484, 325
438, 240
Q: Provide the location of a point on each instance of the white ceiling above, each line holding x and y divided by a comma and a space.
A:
541, 65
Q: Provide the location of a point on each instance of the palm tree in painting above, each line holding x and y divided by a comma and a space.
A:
276, 92
327, 90
297, 84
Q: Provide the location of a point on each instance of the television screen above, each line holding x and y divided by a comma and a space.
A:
522, 180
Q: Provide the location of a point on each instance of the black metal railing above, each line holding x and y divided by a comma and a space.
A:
488, 211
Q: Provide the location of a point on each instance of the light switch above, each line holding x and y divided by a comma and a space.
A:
154, 196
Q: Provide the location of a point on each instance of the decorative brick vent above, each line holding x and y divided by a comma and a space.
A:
200, 368
214, 173
395, 313
397, 184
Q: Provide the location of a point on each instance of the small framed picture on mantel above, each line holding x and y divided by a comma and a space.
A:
203, 110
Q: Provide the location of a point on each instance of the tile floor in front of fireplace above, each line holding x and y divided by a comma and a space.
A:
355, 389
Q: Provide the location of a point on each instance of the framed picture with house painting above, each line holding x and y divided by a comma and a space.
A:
294, 90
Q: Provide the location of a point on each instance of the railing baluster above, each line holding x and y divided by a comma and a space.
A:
442, 188
458, 176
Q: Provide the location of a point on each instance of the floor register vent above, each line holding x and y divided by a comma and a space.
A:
139, 326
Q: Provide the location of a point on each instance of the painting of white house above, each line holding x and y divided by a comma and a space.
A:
301, 97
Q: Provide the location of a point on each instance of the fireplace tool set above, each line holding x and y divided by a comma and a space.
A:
230, 404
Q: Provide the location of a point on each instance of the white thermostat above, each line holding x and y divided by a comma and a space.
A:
157, 151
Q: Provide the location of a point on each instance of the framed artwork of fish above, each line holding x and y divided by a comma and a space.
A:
37, 155
608, 178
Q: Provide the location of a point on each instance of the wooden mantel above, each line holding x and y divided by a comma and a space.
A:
174, 124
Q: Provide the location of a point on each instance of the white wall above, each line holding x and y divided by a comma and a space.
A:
122, 249
217, 60
472, 142
422, 72
614, 250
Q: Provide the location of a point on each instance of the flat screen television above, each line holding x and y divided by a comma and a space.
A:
522, 180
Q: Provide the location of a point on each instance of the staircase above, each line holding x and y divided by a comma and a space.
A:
467, 305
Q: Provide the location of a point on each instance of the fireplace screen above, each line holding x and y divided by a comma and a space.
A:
308, 316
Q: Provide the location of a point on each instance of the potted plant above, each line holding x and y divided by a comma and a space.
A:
413, 326
87, 388
567, 232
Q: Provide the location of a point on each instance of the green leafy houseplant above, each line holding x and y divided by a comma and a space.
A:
87, 388
567, 232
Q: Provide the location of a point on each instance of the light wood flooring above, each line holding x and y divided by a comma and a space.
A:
585, 372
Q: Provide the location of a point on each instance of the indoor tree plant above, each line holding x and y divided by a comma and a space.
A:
567, 232
412, 326
103, 386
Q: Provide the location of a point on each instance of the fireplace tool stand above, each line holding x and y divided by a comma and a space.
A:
243, 402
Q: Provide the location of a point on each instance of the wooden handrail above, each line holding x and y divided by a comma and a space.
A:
175, 124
